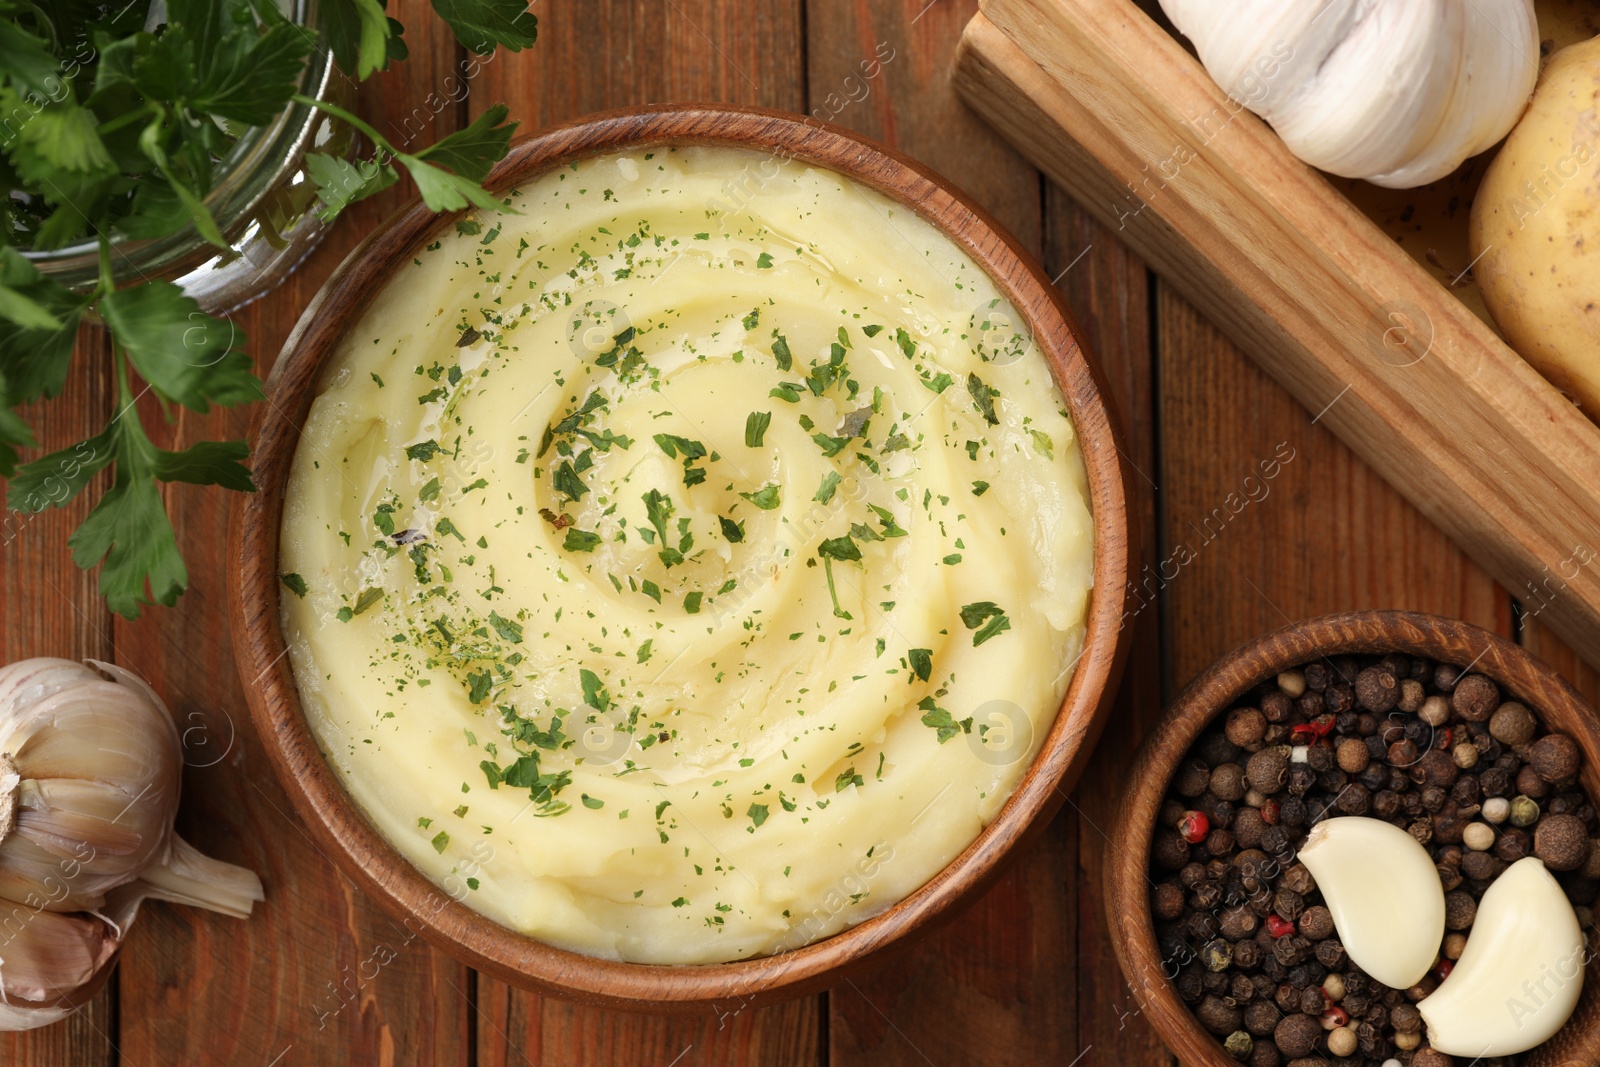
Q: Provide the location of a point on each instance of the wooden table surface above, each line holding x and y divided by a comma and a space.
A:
320, 976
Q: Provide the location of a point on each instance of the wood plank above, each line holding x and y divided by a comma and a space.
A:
1326, 533
54, 609
594, 55
1303, 281
995, 986
1109, 289
318, 974
517, 1029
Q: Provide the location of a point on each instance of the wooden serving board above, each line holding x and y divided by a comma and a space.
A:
1113, 108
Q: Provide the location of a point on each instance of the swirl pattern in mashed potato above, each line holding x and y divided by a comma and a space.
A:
689, 565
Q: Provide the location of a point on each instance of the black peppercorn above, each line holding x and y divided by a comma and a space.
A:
1247, 828
1355, 799
1286, 998
1402, 753
1261, 1016
1218, 1016
1290, 950
1479, 866
1276, 706
1317, 676
1297, 1035
1289, 904
1238, 923
1168, 850
1554, 757
1459, 911
1301, 779
1167, 901
1377, 689
1339, 698
1292, 812
1206, 896
1316, 922
1406, 1019
1495, 783
1561, 841
1512, 844
1298, 878
1312, 1002
1330, 953
1474, 698
1214, 748
1267, 770
1449, 876
1247, 955
1445, 677
1192, 779
1190, 985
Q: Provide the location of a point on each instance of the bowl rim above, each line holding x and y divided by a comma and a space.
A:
336, 823
1553, 700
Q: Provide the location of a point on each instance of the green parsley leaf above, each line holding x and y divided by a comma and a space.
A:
480, 25
755, 428
921, 662
757, 813
732, 532
825, 491
983, 399
987, 617
840, 548
296, 584
1043, 445
766, 498
580, 540
472, 151
781, 353
506, 628
187, 356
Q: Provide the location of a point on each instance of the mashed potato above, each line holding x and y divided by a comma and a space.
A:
686, 567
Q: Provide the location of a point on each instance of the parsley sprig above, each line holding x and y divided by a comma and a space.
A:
117, 127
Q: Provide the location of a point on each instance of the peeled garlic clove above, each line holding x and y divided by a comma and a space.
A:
1519, 977
1384, 894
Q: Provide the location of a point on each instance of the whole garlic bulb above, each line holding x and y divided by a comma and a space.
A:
90, 769
1398, 92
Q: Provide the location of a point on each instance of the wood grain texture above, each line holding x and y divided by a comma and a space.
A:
1220, 686
318, 974
54, 609
1111, 291
1408, 376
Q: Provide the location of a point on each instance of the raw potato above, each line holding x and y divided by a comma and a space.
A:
1536, 226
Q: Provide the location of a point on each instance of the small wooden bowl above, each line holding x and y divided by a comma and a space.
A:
1127, 884
317, 793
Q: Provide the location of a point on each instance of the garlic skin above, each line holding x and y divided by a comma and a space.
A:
1519, 978
1398, 92
1384, 894
90, 770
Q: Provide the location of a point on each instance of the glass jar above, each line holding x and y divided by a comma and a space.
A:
263, 200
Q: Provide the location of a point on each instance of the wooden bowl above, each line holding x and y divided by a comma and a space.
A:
1127, 883
318, 794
